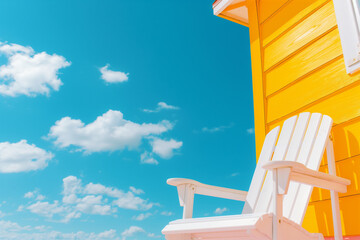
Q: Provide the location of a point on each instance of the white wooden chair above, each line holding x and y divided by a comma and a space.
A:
276, 203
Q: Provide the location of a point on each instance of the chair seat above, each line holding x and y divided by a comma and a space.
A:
244, 226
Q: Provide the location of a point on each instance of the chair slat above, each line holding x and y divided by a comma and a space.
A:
303, 156
303, 197
279, 154
259, 174
298, 137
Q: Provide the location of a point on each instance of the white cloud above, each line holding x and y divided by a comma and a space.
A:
97, 188
136, 190
22, 157
113, 76
250, 130
93, 205
131, 232
142, 216
220, 210
12, 226
46, 209
12, 230
161, 106
130, 201
166, 213
165, 148
95, 199
147, 158
108, 132
13, 48
27, 73
29, 195
216, 129
34, 194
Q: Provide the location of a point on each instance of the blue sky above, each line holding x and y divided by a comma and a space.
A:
102, 101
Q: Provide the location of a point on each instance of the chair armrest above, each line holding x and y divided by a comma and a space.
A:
187, 188
300, 173
209, 190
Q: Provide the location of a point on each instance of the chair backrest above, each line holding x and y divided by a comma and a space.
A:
302, 139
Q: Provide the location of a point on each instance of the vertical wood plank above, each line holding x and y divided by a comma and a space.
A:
257, 74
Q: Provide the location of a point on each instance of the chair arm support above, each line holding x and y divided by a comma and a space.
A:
187, 188
294, 171
209, 190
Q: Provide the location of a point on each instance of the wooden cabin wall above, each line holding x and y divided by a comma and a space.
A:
296, 47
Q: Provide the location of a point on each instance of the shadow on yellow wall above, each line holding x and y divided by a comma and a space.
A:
347, 154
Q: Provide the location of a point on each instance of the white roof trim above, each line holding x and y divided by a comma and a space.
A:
221, 6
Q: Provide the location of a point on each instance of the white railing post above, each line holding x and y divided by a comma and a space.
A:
334, 195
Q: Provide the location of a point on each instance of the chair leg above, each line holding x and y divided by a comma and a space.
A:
278, 206
334, 195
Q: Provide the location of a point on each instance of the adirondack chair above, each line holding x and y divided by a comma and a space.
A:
276, 202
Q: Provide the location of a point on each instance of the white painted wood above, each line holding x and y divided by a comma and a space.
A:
204, 189
302, 199
334, 195
300, 173
303, 156
189, 201
222, 193
264, 202
283, 180
320, 143
309, 138
181, 194
298, 137
296, 143
221, 6
346, 16
284, 139
297, 157
259, 174
278, 206
236, 227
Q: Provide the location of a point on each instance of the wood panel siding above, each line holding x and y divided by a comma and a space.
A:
287, 17
319, 211
320, 52
303, 70
300, 35
268, 8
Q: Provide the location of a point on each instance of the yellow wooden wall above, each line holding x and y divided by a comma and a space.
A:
298, 66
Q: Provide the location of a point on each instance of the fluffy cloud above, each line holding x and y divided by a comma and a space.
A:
216, 129
113, 76
161, 106
136, 190
35, 195
46, 209
131, 232
95, 199
142, 216
220, 210
108, 132
93, 205
12, 230
165, 148
166, 213
27, 73
22, 157
147, 158
130, 201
